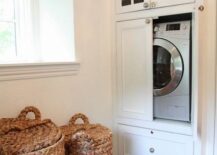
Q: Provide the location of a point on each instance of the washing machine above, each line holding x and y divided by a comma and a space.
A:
171, 70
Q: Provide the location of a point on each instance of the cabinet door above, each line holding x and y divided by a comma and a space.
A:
134, 72
138, 141
136, 5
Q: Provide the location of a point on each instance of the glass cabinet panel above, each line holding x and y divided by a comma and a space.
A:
126, 2
138, 1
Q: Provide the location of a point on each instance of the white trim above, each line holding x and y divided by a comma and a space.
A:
37, 70
195, 85
215, 133
207, 87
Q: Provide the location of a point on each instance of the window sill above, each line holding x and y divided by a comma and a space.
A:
37, 70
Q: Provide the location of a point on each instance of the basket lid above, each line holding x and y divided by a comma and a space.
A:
22, 119
97, 132
23, 136
87, 138
94, 131
20, 139
96, 139
72, 127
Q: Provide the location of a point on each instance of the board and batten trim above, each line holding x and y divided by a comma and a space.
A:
37, 70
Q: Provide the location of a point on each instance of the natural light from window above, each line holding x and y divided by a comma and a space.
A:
36, 31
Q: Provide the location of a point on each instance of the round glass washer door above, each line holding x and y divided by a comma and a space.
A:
168, 67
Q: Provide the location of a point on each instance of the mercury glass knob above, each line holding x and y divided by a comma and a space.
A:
151, 150
201, 8
148, 21
146, 5
153, 4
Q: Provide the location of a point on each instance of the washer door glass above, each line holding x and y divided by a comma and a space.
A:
167, 67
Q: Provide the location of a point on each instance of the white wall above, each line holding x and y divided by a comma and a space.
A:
89, 91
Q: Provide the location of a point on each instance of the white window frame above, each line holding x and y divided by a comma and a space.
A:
17, 71
37, 70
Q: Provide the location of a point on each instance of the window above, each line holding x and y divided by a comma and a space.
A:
36, 31
7, 30
36, 39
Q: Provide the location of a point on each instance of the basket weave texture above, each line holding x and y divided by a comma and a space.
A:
86, 138
31, 137
21, 121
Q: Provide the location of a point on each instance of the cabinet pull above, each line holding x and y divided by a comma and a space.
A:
151, 150
148, 21
201, 8
153, 5
146, 5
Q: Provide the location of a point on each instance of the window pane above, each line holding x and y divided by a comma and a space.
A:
7, 9
56, 30
7, 40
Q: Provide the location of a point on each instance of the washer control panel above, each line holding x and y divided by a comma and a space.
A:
174, 29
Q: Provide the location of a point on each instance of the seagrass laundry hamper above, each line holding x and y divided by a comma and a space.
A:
22, 136
86, 138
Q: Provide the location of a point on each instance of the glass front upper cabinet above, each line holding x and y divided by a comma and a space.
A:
124, 6
125, 2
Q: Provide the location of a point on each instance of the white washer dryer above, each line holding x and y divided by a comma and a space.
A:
171, 70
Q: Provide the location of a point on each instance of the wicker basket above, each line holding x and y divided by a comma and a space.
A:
21, 120
87, 139
31, 137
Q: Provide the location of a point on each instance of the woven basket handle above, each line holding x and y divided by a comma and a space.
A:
22, 125
76, 117
29, 109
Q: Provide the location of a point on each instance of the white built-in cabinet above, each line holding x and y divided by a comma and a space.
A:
139, 141
134, 42
138, 133
136, 5
134, 72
